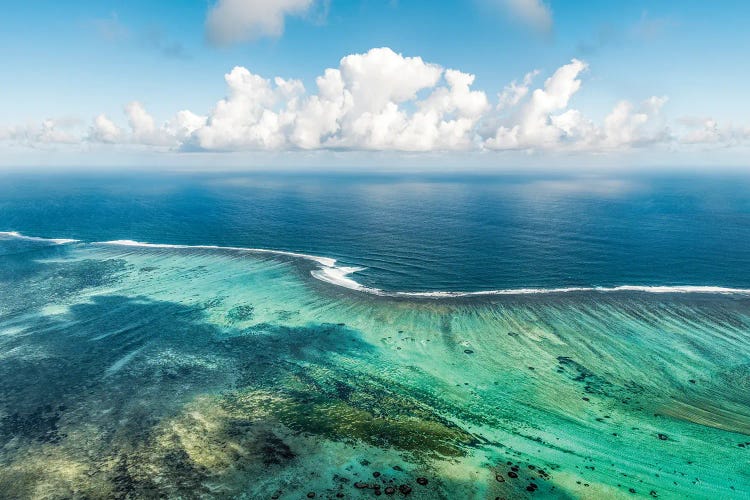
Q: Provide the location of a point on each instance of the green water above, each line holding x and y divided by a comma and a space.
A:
143, 372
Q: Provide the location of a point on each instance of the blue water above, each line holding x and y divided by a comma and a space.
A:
145, 371
419, 232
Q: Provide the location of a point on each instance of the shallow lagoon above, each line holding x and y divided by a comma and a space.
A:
132, 371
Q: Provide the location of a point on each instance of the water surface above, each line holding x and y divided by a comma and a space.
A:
145, 371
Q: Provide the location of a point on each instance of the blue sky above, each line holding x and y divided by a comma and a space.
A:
680, 65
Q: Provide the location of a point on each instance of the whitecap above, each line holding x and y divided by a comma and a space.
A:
20, 236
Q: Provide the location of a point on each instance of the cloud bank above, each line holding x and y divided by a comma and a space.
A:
383, 101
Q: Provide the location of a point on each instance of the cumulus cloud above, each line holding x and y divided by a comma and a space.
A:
142, 128
628, 126
183, 125
514, 91
49, 131
708, 132
536, 127
369, 102
384, 101
545, 121
232, 21
104, 130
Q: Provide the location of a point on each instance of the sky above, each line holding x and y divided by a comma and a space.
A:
474, 83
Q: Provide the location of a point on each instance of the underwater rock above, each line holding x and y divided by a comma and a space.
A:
311, 494
468, 351
40, 425
343, 391
422, 481
663, 437
240, 313
390, 490
405, 489
512, 475
499, 478
376, 474
275, 451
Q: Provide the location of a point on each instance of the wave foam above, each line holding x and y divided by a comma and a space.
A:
621, 288
323, 261
329, 272
20, 236
341, 276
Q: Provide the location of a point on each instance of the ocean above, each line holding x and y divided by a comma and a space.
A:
290, 335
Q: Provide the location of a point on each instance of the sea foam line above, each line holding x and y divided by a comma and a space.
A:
621, 288
20, 236
329, 272
323, 261
341, 276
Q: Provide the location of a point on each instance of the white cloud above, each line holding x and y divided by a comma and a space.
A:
708, 132
184, 124
545, 122
383, 101
104, 130
627, 126
143, 127
535, 127
369, 102
514, 92
533, 13
49, 131
231, 21
250, 117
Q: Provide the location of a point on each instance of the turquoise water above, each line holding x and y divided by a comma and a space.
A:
374, 335
134, 371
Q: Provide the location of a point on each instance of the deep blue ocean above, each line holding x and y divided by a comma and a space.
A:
418, 232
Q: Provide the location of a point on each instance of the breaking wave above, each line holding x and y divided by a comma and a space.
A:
19, 236
329, 272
